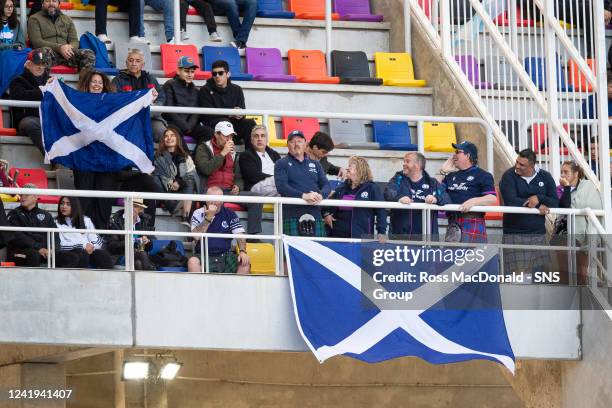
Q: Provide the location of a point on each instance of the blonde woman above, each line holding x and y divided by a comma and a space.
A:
354, 222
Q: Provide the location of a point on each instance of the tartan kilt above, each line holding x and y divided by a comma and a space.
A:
227, 262
473, 229
290, 227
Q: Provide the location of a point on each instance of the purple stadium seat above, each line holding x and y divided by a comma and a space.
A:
470, 66
355, 10
266, 64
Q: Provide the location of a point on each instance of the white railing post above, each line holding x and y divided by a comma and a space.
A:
513, 28
599, 45
407, 28
128, 224
176, 11
445, 30
23, 15
328, 35
551, 73
421, 136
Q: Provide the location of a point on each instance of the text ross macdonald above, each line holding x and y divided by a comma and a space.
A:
456, 277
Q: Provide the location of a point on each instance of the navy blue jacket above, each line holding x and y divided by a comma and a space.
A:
360, 221
409, 222
515, 191
294, 178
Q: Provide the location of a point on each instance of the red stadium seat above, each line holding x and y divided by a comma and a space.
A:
308, 126
170, 54
6, 131
310, 9
234, 206
63, 69
7, 264
192, 12
309, 66
539, 137
36, 176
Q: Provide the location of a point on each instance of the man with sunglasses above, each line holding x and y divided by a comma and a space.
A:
467, 185
219, 92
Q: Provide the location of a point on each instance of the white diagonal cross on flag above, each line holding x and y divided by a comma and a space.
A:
387, 321
103, 131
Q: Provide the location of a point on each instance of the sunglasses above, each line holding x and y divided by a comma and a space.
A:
218, 73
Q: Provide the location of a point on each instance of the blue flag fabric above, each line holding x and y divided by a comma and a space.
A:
335, 318
104, 132
11, 65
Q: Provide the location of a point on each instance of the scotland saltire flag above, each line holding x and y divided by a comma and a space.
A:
443, 323
97, 132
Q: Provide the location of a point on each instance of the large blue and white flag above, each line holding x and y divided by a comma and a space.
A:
97, 132
336, 294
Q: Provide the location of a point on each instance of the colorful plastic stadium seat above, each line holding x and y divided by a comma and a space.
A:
191, 11
266, 64
356, 10
4, 131
273, 139
63, 69
495, 216
228, 54
158, 244
438, 137
348, 132
511, 129
471, 68
8, 198
4, 264
234, 206
78, 5
578, 79
308, 126
121, 53
426, 6
261, 255
170, 54
539, 138
395, 69
310, 9
352, 68
392, 135
309, 66
504, 19
536, 68
272, 9
500, 73
36, 176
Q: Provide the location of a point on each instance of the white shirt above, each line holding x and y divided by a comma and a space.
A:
535, 173
267, 165
74, 240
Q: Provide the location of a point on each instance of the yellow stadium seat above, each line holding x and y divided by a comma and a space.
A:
7, 198
257, 118
262, 258
438, 137
78, 5
268, 208
273, 139
395, 69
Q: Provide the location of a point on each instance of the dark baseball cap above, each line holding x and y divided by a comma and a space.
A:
295, 133
187, 62
37, 57
467, 147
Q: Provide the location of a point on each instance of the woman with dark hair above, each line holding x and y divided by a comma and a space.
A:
354, 222
78, 249
11, 34
94, 81
175, 170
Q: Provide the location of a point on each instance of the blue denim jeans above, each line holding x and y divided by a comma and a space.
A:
232, 8
162, 6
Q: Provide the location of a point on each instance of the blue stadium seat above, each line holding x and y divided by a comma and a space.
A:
536, 68
229, 54
392, 135
159, 244
273, 9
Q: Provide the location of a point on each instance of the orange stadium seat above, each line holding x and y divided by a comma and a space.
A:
578, 79
308, 126
3, 130
310, 9
36, 176
309, 66
170, 54
495, 216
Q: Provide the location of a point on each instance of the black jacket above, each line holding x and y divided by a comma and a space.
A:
4, 223
25, 87
250, 166
329, 168
124, 81
211, 96
20, 217
179, 93
116, 243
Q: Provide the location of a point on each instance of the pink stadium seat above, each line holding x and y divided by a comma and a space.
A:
63, 69
309, 66
38, 177
170, 54
308, 126
266, 64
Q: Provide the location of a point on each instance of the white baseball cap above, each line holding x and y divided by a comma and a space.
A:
225, 127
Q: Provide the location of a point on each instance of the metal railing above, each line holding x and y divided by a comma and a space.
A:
517, 61
129, 232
